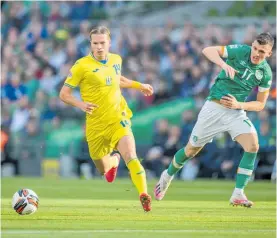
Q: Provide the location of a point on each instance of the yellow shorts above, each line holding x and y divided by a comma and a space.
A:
104, 142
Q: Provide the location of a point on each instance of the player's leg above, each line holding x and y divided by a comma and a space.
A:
104, 161
207, 126
177, 163
127, 148
181, 157
244, 132
250, 145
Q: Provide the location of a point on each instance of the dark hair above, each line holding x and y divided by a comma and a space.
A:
265, 38
100, 30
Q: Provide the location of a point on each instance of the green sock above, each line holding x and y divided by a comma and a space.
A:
178, 162
245, 169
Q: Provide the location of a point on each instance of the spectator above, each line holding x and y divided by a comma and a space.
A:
15, 89
84, 164
42, 41
20, 115
9, 165
267, 151
29, 149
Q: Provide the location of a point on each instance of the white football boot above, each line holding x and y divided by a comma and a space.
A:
240, 200
162, 186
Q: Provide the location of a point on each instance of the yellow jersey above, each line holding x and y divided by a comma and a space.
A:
99, 84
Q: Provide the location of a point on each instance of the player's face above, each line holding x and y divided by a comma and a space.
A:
260, 52
100, 45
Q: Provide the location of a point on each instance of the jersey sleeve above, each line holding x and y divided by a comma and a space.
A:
231, 51
266, 81
75, 76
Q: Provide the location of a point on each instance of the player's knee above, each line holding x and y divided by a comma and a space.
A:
128, 155
252, 148
191, 151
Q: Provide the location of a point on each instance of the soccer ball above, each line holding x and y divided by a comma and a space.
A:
25, 202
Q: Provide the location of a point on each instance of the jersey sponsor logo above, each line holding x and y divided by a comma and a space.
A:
243, 63
259, 74
109, 81
233, 46
95, 70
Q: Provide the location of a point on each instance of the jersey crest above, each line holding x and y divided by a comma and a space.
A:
259, 74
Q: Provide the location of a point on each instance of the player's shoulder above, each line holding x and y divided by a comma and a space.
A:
238, 51
115, 56
81, 63
240, 47
83, 60
236, 46
266, 67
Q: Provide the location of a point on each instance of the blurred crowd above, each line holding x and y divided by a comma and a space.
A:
42, 40
219, 159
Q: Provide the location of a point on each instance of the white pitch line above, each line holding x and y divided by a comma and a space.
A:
128, 231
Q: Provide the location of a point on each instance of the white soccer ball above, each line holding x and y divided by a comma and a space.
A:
25, 202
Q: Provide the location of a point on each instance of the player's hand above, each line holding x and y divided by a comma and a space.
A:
88, 107
146, 89
230, 101
229, 71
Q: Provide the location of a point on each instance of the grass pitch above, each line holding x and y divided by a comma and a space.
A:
81, 208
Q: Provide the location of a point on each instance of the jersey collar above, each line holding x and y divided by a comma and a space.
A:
100, 62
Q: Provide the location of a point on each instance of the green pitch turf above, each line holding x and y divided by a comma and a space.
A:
80, 208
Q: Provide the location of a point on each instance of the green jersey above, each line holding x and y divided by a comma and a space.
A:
249, 76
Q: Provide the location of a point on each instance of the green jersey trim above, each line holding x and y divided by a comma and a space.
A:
68, 85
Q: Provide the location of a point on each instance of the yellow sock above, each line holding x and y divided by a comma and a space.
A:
138, 175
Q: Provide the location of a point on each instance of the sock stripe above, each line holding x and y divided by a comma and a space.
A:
175, 164
131, 161
245, 171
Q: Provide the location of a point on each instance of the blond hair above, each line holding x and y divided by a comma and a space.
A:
100, 30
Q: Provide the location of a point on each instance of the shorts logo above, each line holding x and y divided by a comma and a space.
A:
259, 74
195, 138
248, 122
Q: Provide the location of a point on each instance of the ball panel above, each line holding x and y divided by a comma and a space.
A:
25, 202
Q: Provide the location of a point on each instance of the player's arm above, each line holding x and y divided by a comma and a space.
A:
72, 81
146, 89
262, 95
127, 83
67, 97
215, 55
231, 102
257, 105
